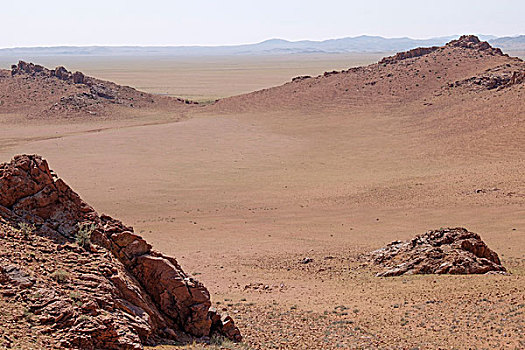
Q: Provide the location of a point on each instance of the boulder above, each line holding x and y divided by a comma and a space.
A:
14, 276
103, 91
78, 78
62, 73
443, 251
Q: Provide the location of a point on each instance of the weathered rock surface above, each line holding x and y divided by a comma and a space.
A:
37, 70
15, 276
444, 251
131, 295
301, 77
465, 41
495, 78
473, 42
420, 51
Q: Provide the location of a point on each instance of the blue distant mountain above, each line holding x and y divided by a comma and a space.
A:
364, 44
512, 43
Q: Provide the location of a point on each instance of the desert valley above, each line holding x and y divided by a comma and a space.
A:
280, 205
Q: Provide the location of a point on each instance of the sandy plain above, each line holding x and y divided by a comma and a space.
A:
203, 79
241, 198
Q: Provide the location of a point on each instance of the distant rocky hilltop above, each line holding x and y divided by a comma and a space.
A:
465, 41
86, 280
59, 72
36, 91
460, 67
498, 77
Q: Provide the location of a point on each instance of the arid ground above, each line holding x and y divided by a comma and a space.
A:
242, 191
204, 79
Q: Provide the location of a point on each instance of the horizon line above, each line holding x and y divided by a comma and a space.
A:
250, 43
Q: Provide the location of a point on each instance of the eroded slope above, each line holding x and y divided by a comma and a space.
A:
403, 78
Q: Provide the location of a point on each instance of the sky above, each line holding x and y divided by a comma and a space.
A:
229, 22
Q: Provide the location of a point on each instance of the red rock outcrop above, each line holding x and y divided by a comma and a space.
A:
496, 78
37, 70
301, 77
78, 78
465, 41
420, 51
444, 251
473, 42
142, 294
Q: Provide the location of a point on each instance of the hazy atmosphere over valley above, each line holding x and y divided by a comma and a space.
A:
273, 175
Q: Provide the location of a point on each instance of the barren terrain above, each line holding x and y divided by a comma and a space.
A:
203, 79
325, 168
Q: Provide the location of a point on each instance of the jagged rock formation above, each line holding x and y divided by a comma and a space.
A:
495, 78
129, 294
465, 41
444, 251
473, 42
60, 72
417, 52
301, 77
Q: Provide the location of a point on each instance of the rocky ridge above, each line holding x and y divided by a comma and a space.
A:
111, 290
465, 41
98, 90
35, 90
400, 56
416, 76
60, 72
444, 251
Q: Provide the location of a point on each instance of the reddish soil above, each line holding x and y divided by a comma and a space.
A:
272, 198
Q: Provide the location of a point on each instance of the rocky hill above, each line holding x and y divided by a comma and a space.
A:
35, 91
457, 68
463, 65
73, 278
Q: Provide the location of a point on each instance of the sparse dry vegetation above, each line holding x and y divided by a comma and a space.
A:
83, 235
60, 276
272, 198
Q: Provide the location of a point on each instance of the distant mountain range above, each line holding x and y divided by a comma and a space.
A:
514, 43
365, 44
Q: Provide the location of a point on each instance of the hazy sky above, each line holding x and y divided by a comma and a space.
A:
205, 22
